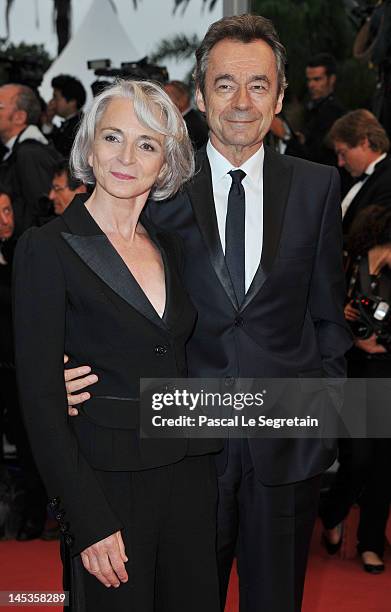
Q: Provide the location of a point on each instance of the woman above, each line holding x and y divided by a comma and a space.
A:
365, 464
101, 283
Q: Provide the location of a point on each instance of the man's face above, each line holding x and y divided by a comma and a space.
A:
7, 224
354, 159
9, 115
61, 106
319, 83
240, 97
60, 194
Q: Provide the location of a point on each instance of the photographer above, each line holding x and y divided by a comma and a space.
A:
373, 44
364, 464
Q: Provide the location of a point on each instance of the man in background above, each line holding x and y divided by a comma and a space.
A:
27, 166
64, 187
32, 509
196, 125
322, 110
361, 145
68, 99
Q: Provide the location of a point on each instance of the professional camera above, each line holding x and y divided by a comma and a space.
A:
375, 317
142, 70
27, 71
373, 40
359, 11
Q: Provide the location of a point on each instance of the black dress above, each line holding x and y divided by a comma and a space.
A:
74, 293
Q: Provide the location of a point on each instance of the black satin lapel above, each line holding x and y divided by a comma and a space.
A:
200, 191
277, 176
99, 255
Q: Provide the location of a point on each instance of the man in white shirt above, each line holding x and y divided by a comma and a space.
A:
27, 166
362, 145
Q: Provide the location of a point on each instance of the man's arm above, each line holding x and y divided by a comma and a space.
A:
77, 379
327, 290
35, 166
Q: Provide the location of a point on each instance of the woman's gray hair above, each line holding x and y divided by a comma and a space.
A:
178, 164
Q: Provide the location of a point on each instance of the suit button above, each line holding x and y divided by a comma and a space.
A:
229, 381
54, 502
68, 539
239, 322
160, 349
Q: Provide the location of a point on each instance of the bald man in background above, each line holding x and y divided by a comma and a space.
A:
196, 125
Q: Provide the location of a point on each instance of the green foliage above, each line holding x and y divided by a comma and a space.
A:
23, 53
184, 3
178, 47
307, 27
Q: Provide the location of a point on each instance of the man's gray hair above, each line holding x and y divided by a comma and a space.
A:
26, 100
178, 164
242, 28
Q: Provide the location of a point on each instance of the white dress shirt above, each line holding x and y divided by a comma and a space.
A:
31, 132
353, 191
253, 188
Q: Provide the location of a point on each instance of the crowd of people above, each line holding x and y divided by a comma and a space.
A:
233, 271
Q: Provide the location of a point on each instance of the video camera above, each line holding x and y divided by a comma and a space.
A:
375, 317
142, 70
374, 23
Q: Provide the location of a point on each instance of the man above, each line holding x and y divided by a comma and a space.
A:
64, 187
361, 145
263, 267
322, 110
7, 247
68, 99
33, 510
196, 126
27, 167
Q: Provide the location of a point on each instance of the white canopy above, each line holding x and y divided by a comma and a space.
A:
99, 36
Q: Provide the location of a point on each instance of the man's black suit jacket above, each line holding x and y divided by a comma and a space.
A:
28, 174
291, 322
63, 136
73, 292
7, 249
197, 128
375, 190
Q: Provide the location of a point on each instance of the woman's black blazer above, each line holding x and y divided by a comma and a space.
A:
74, 293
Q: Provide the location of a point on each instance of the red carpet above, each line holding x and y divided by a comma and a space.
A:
332, 584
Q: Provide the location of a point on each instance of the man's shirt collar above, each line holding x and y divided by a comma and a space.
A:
371, 168
220, 166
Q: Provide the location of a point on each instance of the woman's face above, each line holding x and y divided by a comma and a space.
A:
126, 156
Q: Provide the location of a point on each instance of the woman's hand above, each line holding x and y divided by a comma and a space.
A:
106, 560
351, 313
370, 345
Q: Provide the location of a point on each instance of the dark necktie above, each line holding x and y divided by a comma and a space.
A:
235, 233
362, 177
